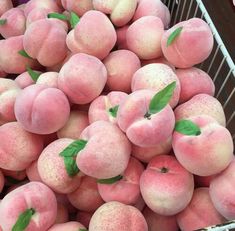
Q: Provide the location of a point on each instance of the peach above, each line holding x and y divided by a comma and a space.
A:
156, 76
114, 216
2, 181
206, 153
121, 37
105, 107
79, 83
141, 129
24, 80
9, 90
146, 154
5, 5
15, 23
158, 222
194, 81
52, 169
201, 104
77, 122
222, 193
86, 197
24, 147
71, 226
62, 214
80, 8
200, 212
121, 11
36, 109
10, 60
35, 198
180, 52
32, 172
84, 217
166, 186
51, 37
121, 65
143, 37
126, 190
49, 79
106, 153
153, 8
93, 35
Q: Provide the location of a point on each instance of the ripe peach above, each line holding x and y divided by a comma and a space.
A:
206, 153
49, 79
200, 212
5, 5
114, 216
166, 186
32, 172
71, 226
24, 80
36, 109
79, 83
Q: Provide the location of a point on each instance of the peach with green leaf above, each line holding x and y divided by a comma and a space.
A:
71, 226
5, 5
146, 117
202, 145
31, 207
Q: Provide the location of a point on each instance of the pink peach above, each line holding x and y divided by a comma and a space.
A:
71, 226
49, 79
32, 172
5, 5
24, 79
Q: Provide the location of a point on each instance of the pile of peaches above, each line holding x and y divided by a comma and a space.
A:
105, 122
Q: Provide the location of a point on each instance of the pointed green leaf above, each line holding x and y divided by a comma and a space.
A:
71, 166
23, 220
161, 99
110, 180
113, 111
3, 22
72, 149
58, 16
33, 74
187, 127
174, 35
74, 19
24, 54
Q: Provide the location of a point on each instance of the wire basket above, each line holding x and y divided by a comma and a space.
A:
219, 66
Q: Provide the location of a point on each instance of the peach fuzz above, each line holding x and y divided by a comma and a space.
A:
126, 190
194, 81
86, 197
51, 37
144, 37
200, 212
201, 104
158, 222
49, 79
156, 76
106, 153
51, 168
207, 153
28, 197
222, 192
141, 130
153, 8
9, 91
76, 123
79, 83
32, 172
84, 217
24, 147
93, 35
121, 11
5, 5
15, 24
62, 214
37, 106
121, 37
166, 186
146, 154
114, 216
10, 60
181, 53
121, 65
2, 181
80, 8
71, 226
100, 107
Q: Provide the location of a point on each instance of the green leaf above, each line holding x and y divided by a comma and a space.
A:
71, 166
161, 99
23, 220
174, 35
33, 74
110, 180
3, 22
58, 16
74, 19
187, 127
24, 54
113, 111
72, 149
